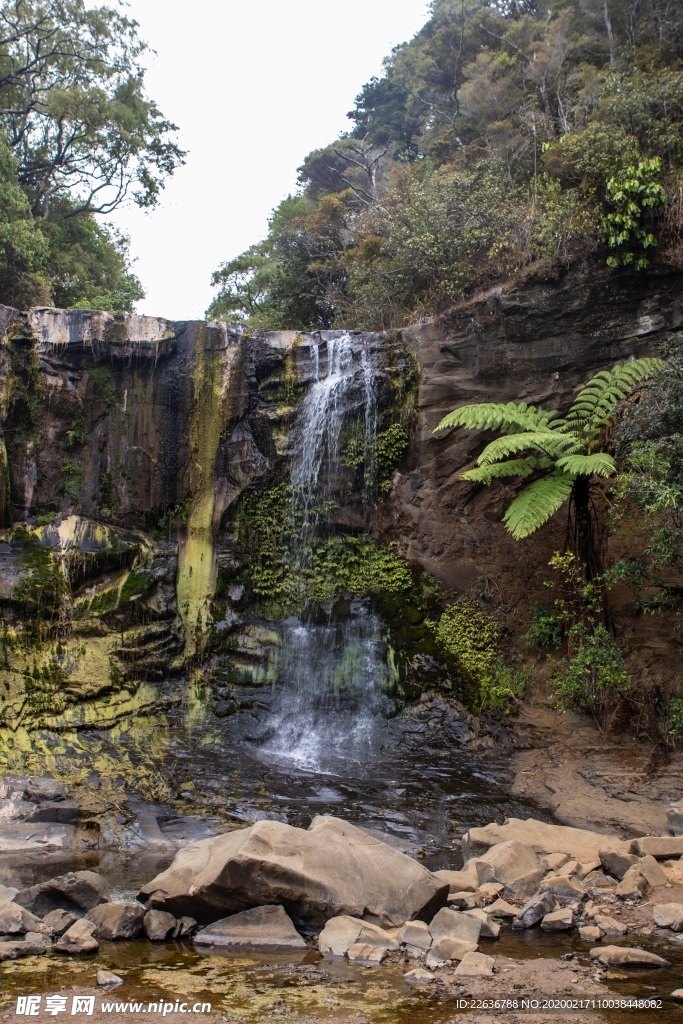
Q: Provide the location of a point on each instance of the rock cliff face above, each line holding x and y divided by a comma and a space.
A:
127, 444
537, 342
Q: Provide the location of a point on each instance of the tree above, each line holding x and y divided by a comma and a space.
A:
563, 456
74, 110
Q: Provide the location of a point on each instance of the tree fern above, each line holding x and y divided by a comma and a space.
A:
551, 443
537, 503
497, 416
513, 467
595, 404
598, 464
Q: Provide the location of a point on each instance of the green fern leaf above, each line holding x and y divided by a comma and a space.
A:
550, 443
514, 467
595, 403
537, 503
497, 416
598, 464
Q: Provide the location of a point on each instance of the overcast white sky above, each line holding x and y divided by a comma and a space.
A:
254, 85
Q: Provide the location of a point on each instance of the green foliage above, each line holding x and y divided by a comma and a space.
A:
72, 473
76, 435
472, 639
546, 631
102, 381
562, 450
502, 134
630, 196
674, 718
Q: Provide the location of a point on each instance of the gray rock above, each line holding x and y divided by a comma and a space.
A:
330, 869
669, 915
366, 953
633, 884
116, 921
340, 933
616, 862
558, 920
474, 965
268, 926
500, 908
563, 887
541, 837
57, 921
615, 956
513, 864
489, 929
535, 910
78, 939
447, 949
15, 920
77, 891
415, 933
32, 944
651, 871
590, 933
661, 847
418, 976
186, 926
466, 880
609, 926
451, 924
159, 925
108, 980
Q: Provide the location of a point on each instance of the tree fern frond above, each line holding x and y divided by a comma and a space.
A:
498, 470
551, 443
598, 464
595, 403
537, 503
496, 416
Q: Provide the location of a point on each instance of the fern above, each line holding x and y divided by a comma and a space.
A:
514, 467
537, 503
551, 443
595, 404
598, 464
497, 416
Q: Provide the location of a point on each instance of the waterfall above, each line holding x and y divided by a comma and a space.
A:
332, 678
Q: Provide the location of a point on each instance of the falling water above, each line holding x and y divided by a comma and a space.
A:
330, 697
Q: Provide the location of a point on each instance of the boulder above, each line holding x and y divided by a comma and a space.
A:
500, 908
466, 900
590, 933
8, 892
669, 915
418, 976
115, 921
32, 944
676, 994
615, 956
489, 929
661, 847
558, 920
414, 934
563, 887
609, 927
554, 861
616, 862
513, 864
260, 927
57, 921
328, 870
651, 871
447, 949
575, 843
491, 889
108, 980
366, 953
340, 933
599, 882
78, 892
77, 939
451, 924
535, 910
674, 818
15, 920
474, 965
185, 926
466, 880
633, 884
158, 925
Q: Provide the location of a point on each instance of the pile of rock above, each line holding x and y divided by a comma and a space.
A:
72, 912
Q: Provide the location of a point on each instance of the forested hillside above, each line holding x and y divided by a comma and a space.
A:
78, 136
506, 132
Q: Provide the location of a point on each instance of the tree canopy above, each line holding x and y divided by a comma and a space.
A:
505, 132
78, 137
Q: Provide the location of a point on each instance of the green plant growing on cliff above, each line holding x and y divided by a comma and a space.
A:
102, 381
472, 639
72, 472
632, 195
562, 457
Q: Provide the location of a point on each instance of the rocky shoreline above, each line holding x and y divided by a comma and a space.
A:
335, 891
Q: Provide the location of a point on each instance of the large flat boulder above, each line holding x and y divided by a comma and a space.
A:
261, 927
329, 870
340, 933
661, 847
116, 921
515, 865
577, 843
